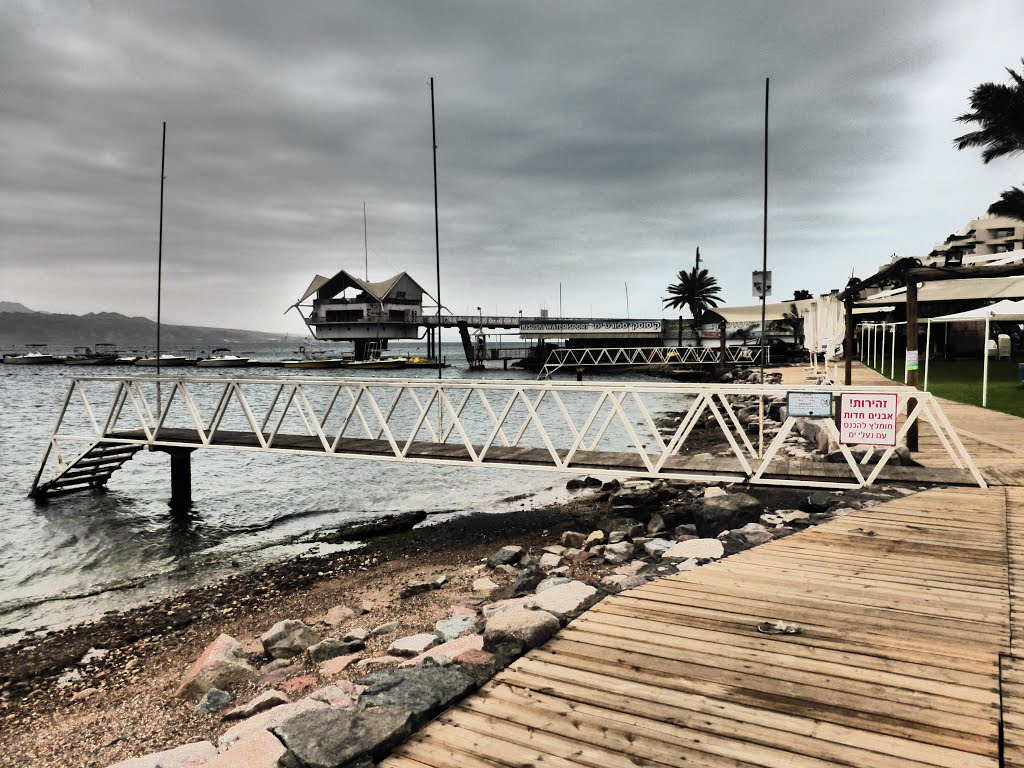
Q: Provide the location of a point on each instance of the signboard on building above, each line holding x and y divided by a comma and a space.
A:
555, 328
762, 284
809, 404
868, 418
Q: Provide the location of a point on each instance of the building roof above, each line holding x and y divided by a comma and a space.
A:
328, 288
1001, 310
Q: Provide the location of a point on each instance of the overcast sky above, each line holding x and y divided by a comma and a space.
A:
591, 144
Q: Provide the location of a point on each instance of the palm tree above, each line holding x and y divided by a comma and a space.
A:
999, 110
696, 289
1010, 204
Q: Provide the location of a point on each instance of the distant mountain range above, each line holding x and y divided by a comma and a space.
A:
20, 325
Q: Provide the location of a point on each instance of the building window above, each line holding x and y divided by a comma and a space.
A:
344, 315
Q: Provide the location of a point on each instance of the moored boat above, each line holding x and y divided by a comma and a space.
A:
316, 359
165, 360
224, 360
36, 356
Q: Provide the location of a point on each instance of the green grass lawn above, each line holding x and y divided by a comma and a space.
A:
960, 380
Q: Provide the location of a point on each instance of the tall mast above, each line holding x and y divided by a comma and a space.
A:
437, 241
160, 248
366, 251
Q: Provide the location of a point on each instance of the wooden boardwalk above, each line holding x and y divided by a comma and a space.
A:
910, 650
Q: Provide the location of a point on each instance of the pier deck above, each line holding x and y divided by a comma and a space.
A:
910, 651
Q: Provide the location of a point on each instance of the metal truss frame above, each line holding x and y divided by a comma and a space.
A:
438, 412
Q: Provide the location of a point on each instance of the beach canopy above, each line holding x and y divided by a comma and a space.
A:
1012, 311
752, 312
956, 290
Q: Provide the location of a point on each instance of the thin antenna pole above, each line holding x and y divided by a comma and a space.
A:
366, 251
627, 299
764, 269
160, 258
437, 236
559, 299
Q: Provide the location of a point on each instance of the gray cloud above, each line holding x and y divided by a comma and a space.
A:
587, 143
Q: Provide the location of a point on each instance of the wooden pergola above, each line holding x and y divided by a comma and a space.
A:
909, 272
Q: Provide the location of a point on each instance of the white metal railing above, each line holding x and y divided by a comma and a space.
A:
568, 357
639, 428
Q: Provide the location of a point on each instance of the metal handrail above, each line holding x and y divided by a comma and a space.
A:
634, 356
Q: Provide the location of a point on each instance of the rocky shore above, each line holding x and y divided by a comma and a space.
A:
332, 660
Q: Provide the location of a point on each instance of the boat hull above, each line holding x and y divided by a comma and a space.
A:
376, 365
165, 362
307, 364
31, 360
216, 362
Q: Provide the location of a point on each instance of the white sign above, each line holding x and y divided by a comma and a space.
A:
812, 404
762, 284
868, 418
593, 328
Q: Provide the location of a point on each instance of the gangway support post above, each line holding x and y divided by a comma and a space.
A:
181, 476
911, 360
848, 343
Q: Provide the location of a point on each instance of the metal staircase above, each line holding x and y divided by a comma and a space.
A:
90, 470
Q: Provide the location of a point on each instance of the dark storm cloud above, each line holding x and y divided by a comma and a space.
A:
589, 143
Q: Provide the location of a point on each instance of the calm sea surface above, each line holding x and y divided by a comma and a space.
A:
77, 556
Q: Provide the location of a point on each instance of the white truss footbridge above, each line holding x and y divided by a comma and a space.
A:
568, 357
678, 431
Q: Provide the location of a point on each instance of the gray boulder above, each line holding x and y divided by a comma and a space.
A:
505, 556
453, 627
528, 580
422, 691
509, 634
820, 501
720, 513
222, 664
566, 601
287, 639
332, 738
213, 700
750, 535
618, 553
332, 648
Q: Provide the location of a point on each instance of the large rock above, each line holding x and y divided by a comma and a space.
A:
413, 645
221, 665
820, 501
509, 634
528, 580
265, 721
565, 601
618, 553
509, 555
655, 547
721, 513
213, 700
261, 703
288, 638
191, 755
332, 738
702, 549
423, 691
750, 535
454, 626
446, 653
332, 648
258, 750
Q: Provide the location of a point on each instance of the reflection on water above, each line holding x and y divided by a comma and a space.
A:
76, 556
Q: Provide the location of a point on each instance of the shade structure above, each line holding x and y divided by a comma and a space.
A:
955, 290
1010, 311
1006, 311
752, 312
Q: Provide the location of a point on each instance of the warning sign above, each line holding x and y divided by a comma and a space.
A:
868, 418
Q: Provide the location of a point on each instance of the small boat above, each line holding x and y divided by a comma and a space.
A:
126, 359
378, 364
165, 361
34, 357
315, 359
422, 362
83, 356
223, 360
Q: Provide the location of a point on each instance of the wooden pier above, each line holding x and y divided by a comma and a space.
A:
909, 651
